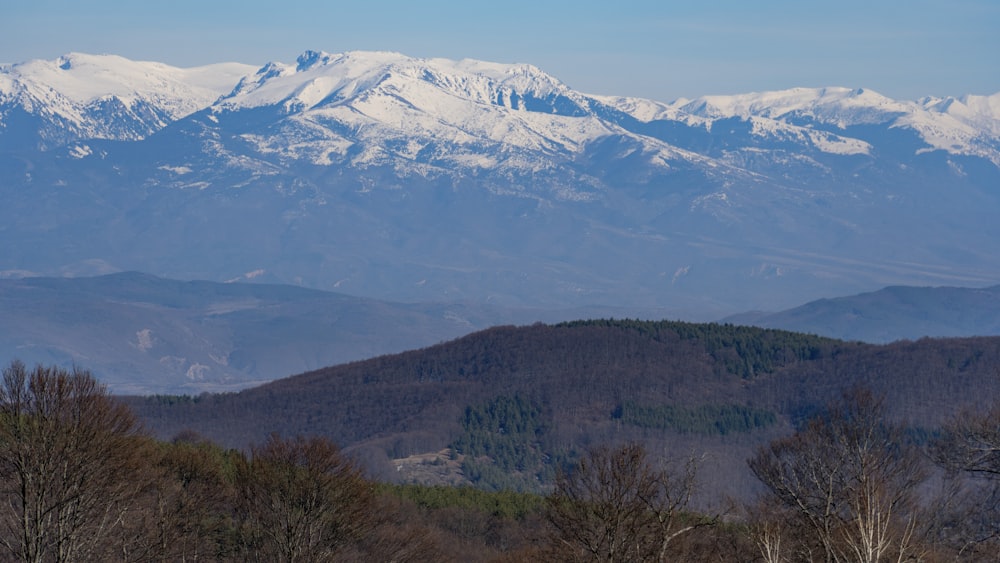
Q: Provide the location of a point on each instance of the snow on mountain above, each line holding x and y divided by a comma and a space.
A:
329, 79
386, 94
977, 111
80, 96
431, 179
446, 110
82, 78
953, 125
426, 116
841, 106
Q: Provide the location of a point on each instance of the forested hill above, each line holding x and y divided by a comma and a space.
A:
552, 390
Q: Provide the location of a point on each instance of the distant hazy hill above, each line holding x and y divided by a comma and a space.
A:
893, 313
143, 334
679, 387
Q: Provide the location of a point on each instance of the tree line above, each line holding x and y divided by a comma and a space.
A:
740, 350
80, 480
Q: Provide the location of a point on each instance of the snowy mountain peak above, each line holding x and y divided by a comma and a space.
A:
975, 111
404, 110
330, 79
81, 96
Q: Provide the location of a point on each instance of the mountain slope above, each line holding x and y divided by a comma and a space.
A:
411, 179
597, 382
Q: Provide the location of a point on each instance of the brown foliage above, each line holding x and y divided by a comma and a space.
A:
399, 533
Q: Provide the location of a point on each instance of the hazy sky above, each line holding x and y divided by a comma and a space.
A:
657, 49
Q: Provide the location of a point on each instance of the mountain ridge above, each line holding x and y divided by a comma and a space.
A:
112, 75
410, 179
890, 314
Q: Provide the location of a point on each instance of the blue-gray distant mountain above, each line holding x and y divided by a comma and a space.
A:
142, 334
893, 313
408, 179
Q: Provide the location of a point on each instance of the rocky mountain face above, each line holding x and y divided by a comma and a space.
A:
386, 176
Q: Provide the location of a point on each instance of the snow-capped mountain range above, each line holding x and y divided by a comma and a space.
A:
82, 93
432, 179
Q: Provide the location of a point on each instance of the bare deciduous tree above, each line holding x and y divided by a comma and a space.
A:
971, 443
299, 499
186, 512
70, 465
969, 450
617, 506
851, 479
770, 527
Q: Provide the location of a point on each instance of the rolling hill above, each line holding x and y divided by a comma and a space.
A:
681, 388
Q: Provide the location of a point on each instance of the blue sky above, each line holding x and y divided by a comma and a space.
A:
655, 49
